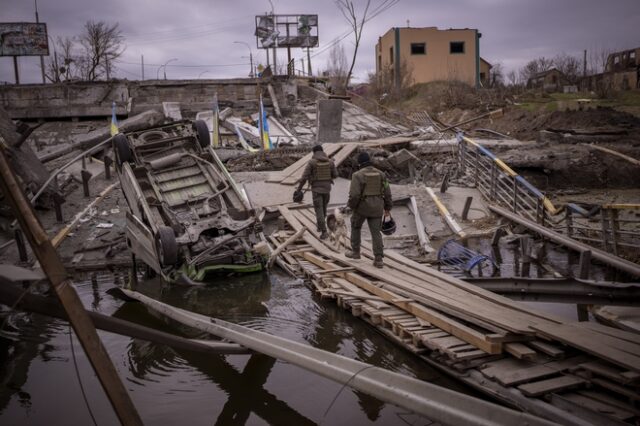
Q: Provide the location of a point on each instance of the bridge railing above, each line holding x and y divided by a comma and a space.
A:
611, 227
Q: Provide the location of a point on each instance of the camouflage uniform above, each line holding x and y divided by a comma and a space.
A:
369, 198
320, 172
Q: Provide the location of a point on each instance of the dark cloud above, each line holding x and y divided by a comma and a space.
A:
200, 33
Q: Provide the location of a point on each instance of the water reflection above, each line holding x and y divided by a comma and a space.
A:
168, 385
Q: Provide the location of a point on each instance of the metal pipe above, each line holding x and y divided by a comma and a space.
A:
615, 261
10, 294
54, 174
437, 403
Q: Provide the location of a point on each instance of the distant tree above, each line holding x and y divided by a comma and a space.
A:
569, 66
63, 66
349, 12
102, 44
534, 67
496, 76
89, 56
598, 59
337, 69
512, 78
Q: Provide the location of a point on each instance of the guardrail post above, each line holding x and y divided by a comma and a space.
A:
493, 183
462, 153
568, 220
515, 194
583, 273
605, 231
615, 227
476, 172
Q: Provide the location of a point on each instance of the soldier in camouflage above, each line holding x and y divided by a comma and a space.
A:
369, 199
320, 172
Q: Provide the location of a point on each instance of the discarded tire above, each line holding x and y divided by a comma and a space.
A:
203, 133
121, 144
166, 246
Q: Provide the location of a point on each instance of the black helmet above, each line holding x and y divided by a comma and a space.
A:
388, 225
298, 196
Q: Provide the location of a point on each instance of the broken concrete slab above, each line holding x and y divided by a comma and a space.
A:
329, 120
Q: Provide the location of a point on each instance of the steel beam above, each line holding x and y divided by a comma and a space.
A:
436, 403
604, 257
561, 290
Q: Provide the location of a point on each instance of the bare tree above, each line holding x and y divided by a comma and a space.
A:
348, 10
64, 64
102, 45
569, 66
535, 66
337, 69
512, 78
598, 58
496, 76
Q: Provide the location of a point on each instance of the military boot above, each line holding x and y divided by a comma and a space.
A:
378, 262
352, 254
324, 235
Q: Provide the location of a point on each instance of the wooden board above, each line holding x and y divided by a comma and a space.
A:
448, 299
329, 148
520, 351
551, 385
603, 346
610, 372
547, 348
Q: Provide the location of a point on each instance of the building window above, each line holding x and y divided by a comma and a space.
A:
418, 48
456, 47
391, 55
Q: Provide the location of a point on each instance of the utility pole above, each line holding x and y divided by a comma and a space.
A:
63, 288
142, 64
41, 57
308, 62
275, 44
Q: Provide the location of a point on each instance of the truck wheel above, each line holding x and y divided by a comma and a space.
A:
166, 246
204, 137
123, 149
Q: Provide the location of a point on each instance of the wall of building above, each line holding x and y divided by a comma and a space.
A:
437, 63
485, 73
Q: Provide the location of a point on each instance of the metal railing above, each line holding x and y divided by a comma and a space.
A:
614, 228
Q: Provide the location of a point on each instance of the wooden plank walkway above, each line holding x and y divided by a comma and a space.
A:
462, 328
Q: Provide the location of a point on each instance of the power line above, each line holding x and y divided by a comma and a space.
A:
382, 7
191, 27
185, 66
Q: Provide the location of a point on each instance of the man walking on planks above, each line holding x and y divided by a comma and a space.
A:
320, 172
369, 199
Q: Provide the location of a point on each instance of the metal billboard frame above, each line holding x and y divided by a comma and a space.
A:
24, 39
274, 31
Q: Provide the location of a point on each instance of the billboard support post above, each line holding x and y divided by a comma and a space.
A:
15, 69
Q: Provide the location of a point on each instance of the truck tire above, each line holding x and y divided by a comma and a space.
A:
204, 137
121, 144
166, 246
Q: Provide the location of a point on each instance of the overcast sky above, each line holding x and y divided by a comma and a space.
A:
200, 33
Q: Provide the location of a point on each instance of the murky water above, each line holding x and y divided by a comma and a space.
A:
38, 382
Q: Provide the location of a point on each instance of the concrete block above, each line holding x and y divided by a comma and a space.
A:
329, 120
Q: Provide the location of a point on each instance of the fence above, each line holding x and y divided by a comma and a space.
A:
614, 228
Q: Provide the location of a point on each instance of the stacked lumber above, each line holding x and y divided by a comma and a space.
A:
463, 328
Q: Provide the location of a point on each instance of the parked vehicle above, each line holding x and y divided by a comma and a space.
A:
187, 218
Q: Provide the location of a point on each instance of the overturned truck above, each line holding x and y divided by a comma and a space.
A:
187, 219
